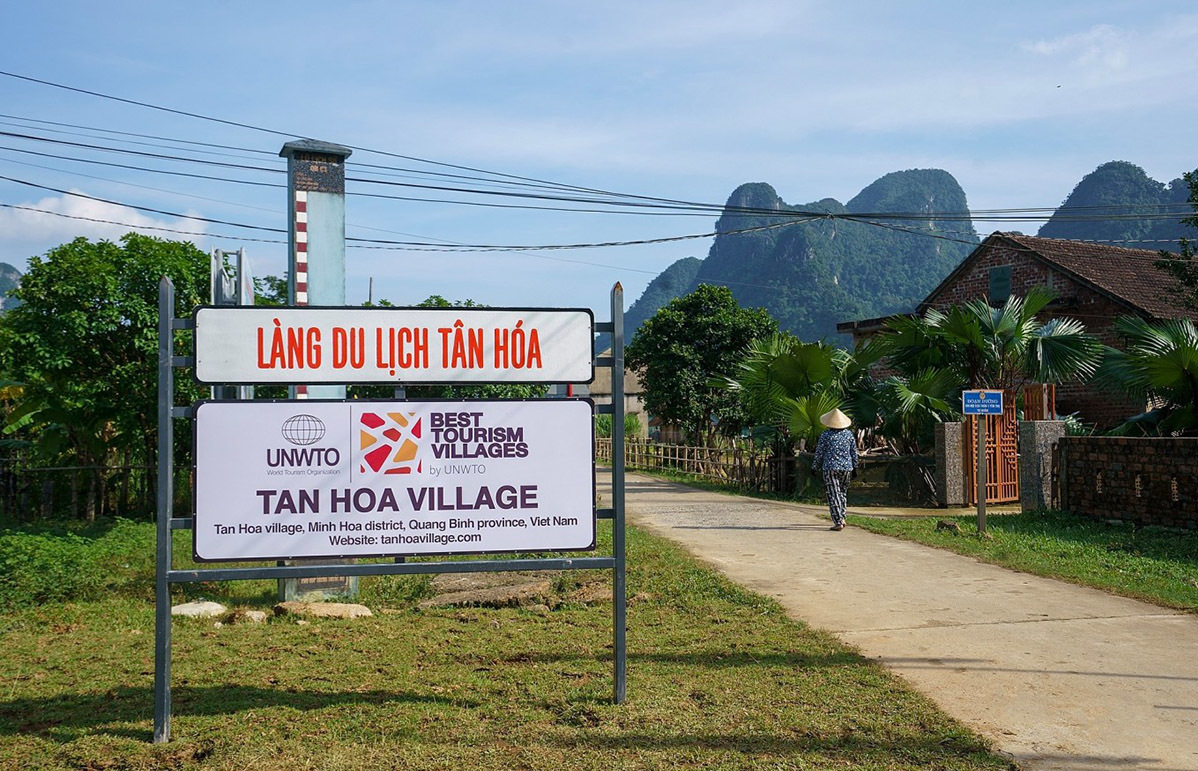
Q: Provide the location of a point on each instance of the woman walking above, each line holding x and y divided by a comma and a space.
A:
836, 457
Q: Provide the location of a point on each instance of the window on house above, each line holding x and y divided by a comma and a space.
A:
1000, 283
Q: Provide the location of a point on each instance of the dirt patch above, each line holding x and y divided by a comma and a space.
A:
511, 590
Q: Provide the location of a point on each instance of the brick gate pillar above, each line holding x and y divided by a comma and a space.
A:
950, 464
1037, 438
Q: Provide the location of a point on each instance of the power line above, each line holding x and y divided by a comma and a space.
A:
170, 144
351, 246
657, 209
425, 246
140, 227
139, 135
198, 197
193, 217
357, 193
382, 169
276, 132
409, 245
131, 167
593, 191
142, 153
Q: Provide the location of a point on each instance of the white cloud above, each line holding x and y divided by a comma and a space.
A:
23, 231
1101, 49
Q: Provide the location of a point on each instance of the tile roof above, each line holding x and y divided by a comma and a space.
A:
1125, 274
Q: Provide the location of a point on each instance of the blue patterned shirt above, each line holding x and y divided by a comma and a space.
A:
835, 451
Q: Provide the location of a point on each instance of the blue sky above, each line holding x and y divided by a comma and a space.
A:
687, 100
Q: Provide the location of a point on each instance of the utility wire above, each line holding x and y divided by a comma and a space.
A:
167, 145
382, 169
276, 132
131, 167
690, 209
409, 245
351, 246
357, 193
238, 237
269, 210
195, 218
425, 246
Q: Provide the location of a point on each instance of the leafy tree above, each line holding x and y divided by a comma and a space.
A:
1159, 363
1182, 265
684, 347
270, 290
83, 345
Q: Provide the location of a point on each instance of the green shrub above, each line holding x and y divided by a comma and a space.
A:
56, 564
632, 426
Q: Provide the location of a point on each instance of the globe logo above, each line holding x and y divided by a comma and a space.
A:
303, 429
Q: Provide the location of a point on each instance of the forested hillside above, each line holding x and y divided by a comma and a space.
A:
1127, 186
674, 281
10, 279
811, 275
814, 274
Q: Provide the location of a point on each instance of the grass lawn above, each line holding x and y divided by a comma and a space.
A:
718, 678
1153, 564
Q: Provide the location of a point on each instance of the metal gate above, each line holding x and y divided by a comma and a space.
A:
1002, 454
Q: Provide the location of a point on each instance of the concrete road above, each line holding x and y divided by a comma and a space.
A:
1059, 676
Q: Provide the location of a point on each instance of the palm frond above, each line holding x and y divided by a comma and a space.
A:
1062, 350
805, 413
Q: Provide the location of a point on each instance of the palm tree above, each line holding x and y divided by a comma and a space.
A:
786, 384
1003, 348
1159, 364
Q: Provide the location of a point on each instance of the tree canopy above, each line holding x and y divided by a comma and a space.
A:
686, 345
1182, 265
82, 345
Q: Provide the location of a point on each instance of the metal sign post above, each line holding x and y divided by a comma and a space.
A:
981, 403
619, 587
166, 574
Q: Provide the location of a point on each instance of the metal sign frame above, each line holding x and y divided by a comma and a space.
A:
166, 574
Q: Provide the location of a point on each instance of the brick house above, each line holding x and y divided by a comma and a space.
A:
1096, 283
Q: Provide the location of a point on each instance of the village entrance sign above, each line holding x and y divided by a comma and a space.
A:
285, 480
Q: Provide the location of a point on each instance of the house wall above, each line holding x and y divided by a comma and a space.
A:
1151, 481
1097, 311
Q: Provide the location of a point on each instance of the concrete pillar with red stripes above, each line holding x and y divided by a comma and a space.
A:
316, 210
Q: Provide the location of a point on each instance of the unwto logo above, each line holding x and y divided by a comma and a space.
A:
389, 443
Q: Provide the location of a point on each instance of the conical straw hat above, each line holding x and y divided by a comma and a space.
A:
835, 419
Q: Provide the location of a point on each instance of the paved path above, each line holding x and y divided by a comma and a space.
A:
1060, 676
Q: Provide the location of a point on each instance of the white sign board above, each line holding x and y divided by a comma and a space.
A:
283, 480
401, 345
